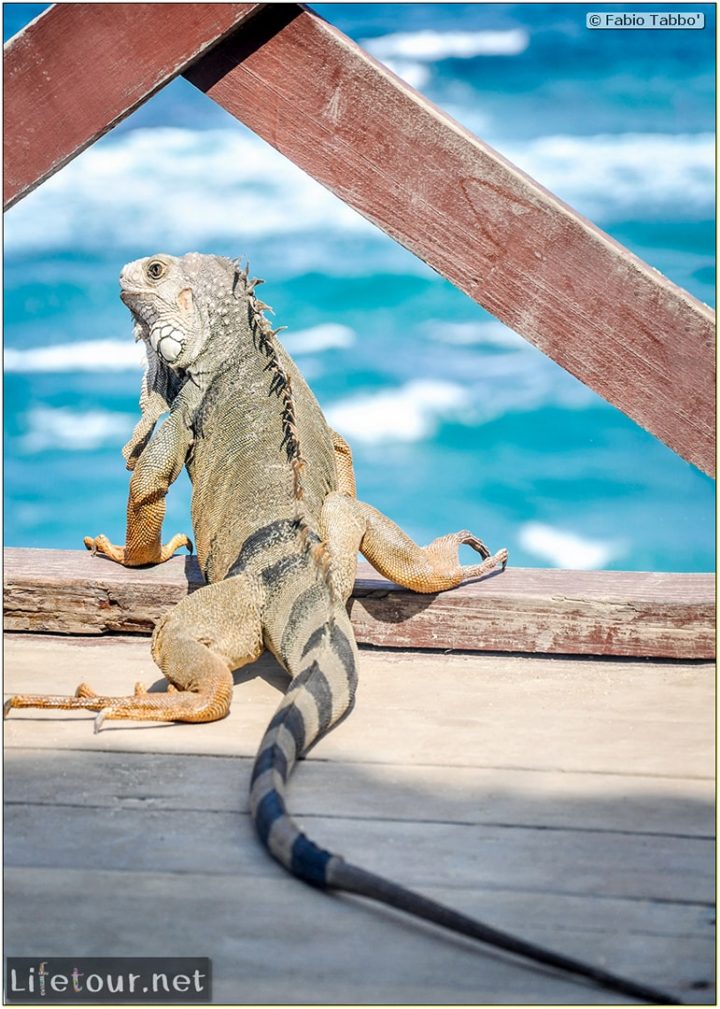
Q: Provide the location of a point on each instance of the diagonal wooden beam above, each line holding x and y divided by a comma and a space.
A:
80, 68
638, 340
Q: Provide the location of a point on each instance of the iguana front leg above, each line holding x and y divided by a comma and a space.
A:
155, 407
160, 386
157, 467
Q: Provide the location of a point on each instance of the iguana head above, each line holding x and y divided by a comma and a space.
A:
178, 301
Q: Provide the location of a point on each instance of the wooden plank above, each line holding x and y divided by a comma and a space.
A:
418, 709
80, 68
593, 854
576, 294
534, 799
417, 854
274, 941
522, 610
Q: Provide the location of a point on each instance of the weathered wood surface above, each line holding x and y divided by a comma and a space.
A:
575, 810
338, 951
509, 795
476, 714
607, 317
519, 610
80, 68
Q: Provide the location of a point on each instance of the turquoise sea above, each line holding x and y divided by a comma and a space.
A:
454, 420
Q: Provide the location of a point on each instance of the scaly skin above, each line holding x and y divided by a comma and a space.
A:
277, 528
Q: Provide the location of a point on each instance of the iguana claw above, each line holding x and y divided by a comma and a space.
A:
152, 555
179, 540
101, 544
100, 718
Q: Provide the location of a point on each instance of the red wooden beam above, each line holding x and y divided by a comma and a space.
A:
521, 610
638, 340
80, 68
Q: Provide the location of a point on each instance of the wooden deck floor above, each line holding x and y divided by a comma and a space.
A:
569, 801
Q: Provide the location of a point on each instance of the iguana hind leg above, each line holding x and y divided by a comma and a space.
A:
351, 525
343, 464
342, 526
197, 645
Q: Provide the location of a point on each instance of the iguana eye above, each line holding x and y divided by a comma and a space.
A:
155, 269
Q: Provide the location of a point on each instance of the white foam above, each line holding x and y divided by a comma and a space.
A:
431, 46
52, 428
628, 174
88, 355
162, 197
471, 387
125, 355
565, 549
467, 334
407, 413
226, 186
417, 75
505, 381
328, 336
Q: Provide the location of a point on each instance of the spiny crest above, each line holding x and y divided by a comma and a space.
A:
280, 385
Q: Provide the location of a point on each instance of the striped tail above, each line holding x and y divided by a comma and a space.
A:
319, 695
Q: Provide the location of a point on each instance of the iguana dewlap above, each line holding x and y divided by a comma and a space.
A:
277, 528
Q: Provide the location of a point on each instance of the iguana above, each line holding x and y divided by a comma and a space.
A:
277, 527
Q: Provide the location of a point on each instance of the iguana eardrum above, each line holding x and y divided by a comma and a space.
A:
277, 528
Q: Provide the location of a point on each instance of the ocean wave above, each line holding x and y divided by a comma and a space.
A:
409, 54
88, 355
328, 336
408, 413
417, 75
565, 549
624, 176
502, 381
125, 355
515, 377
148, 189
469, 334
432, 46
50, 428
